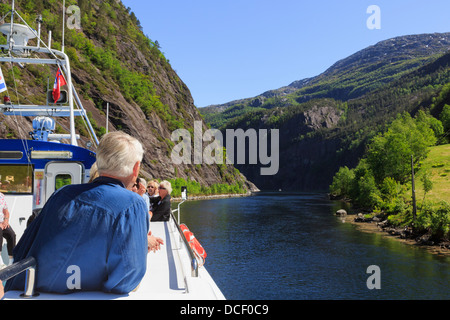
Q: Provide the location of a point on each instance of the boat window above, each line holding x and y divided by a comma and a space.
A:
62, 180
16, 179
8, 155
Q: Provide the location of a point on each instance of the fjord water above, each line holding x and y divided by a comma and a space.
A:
288, 246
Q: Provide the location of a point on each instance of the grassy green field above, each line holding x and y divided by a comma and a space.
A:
437, 165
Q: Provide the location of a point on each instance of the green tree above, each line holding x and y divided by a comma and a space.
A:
427, 184
389, 153
427, 120
389, 189
393, 201
368, 194
342, 182
436, 219
445, 118
364, 191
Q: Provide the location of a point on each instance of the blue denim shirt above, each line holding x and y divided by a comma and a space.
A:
98, 230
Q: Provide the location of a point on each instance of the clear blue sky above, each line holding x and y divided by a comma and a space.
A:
233, 49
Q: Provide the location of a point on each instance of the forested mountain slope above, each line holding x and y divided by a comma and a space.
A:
325, 122
114, 62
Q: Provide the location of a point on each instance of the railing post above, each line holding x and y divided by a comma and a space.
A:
28, 265
179, 204
30, 279
194, 268
194, 263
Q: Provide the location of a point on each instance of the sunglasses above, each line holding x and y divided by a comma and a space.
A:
162, 188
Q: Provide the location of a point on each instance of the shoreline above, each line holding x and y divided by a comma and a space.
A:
369, 227
372, 227
214, 196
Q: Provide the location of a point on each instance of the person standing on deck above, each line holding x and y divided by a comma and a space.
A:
99, 229
6, 231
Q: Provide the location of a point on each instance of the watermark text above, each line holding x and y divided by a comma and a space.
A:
258, 147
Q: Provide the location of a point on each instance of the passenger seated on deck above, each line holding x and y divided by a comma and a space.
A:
101, 228
161, 204
140, 187
152, 190
6, 232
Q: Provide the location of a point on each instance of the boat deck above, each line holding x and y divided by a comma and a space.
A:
168, 275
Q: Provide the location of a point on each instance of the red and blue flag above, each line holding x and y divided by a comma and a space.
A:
59, 81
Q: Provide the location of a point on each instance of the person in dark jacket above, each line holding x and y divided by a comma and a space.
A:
161, 204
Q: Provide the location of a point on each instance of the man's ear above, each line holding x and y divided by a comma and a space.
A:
136, 168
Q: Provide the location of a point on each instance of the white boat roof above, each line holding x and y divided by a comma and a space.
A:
168, 276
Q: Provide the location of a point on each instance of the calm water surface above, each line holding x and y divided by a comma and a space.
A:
291, 246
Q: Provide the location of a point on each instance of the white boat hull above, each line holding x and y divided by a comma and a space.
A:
168, 276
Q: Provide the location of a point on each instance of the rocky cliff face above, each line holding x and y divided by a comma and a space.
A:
122, 42
306, 160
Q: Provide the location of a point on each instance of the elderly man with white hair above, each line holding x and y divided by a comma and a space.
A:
100, 227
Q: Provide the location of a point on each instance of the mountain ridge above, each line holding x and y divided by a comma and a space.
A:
401, 49
326, 121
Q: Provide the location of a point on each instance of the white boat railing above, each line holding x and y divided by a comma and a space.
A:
182, 239
29, 266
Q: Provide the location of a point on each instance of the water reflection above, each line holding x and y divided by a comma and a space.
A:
291, 246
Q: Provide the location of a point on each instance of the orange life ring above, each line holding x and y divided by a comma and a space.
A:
195, 245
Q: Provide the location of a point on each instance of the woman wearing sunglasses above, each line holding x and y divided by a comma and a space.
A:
152, 190
161, 204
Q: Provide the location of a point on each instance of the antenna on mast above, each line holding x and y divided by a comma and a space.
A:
11, 40
63, 22
39, 21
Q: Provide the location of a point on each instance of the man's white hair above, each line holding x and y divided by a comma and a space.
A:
117, 154
166, 184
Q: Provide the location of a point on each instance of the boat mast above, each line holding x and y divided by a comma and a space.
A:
63, 23
11, 29
61, 60
73, 138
